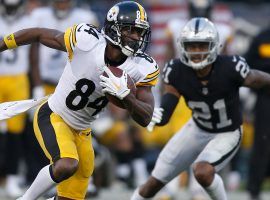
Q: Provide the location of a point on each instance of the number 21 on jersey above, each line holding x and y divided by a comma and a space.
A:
201, 112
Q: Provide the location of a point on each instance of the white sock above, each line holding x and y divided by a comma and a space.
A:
137, 196
41, 184
140, 171
196, 190
217, 190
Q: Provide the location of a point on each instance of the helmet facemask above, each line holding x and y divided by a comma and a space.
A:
199, 54
121, 35
130, 44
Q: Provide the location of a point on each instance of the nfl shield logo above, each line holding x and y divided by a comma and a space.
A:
205, 91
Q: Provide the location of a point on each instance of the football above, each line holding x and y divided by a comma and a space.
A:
131, 85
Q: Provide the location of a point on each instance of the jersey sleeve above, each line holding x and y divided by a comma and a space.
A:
239, 70
80, 36
150, 71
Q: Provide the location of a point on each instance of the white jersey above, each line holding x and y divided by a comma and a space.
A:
16, 61
175, 26
52, 62
78, 97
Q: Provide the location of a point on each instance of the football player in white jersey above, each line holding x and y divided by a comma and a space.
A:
62, 125
50, 63
14, 85
60, 15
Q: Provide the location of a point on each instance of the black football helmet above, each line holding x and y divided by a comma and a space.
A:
132, 16
200, 8
12, 9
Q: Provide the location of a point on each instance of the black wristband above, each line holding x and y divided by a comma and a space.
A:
168, 103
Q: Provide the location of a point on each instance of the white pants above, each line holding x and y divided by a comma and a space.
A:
191, 145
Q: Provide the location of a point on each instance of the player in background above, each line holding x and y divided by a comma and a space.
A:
210, 84
62, 125
14, 85
60, 14
258, 55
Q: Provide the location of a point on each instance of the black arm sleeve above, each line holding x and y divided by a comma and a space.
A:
168, 103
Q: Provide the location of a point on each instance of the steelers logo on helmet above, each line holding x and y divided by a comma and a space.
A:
127, 27
113, 13
199, 43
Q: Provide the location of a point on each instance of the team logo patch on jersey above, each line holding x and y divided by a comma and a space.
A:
9, 37
205, 91
113, 13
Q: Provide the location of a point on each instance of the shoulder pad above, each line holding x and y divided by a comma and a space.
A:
241, 66
235, 66
86, 36
149, 68
82, 36
174, 63
170, 71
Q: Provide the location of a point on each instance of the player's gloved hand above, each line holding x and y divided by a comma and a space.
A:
37, 93
114, 85
156, 118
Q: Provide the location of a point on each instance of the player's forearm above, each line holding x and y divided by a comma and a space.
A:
258, 80
3, 46
168, 104
34, 65
47, 37
140, 111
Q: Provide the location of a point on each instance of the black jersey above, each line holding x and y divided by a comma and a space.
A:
215, 106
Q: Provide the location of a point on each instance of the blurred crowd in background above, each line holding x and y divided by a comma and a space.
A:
124, 151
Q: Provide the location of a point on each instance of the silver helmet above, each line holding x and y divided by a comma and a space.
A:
199, 30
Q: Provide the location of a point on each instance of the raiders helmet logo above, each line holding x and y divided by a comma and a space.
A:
113, 13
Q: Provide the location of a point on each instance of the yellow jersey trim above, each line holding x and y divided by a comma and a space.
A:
70, 40
155, 73
150, 83
150, 79
74, 39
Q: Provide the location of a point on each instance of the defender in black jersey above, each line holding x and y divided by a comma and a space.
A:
210, 86
214, 99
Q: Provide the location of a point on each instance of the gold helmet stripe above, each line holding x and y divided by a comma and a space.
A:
141, 11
